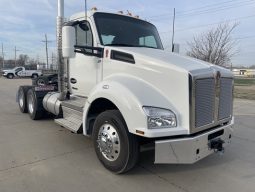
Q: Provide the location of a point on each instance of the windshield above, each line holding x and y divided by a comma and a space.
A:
118, 30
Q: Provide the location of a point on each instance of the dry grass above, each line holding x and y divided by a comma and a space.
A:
245, 92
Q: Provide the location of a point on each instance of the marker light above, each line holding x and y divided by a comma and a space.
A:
94, 9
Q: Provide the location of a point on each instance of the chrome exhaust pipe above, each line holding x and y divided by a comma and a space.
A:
60, 59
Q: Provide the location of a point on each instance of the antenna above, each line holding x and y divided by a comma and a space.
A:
173, 31
86, 8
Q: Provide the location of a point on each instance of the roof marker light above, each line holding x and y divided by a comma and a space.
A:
94, 9
129, 14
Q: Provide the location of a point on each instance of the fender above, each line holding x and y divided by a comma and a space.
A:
130, 94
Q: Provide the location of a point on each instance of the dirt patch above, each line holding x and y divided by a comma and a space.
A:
245, 92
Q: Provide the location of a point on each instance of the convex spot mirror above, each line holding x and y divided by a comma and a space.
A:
84, 26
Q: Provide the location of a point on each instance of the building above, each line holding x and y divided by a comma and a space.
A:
244, 72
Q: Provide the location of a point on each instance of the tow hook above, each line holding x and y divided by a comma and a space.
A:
217, 145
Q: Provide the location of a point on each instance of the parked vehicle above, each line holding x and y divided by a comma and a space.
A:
122, 89
21, 72
51, 79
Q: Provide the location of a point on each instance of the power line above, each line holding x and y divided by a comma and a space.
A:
192, 12
211, 5
192, 9
205, 25
216, 9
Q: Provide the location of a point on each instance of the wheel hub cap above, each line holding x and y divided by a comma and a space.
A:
108, 142
21, 100
31, 104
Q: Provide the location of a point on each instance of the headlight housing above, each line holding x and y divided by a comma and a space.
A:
160, 118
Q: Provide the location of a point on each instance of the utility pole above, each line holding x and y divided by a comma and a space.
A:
46, 41
15, 51
173, 31
3, 54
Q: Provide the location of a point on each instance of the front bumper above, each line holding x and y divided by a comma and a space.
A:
192, 149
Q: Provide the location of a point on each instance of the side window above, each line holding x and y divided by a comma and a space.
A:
84, 35
148, 41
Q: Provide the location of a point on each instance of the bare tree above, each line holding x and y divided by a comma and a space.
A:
252, 67
215, 46
23, 59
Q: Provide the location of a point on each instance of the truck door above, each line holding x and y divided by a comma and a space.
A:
83, 68
19, 71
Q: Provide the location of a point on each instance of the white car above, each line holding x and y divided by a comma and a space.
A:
21, 72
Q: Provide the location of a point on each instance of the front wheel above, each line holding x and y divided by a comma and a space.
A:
116, 148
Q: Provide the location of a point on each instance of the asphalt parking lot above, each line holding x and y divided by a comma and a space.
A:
42, 156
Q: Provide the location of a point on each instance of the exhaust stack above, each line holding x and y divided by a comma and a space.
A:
61, 67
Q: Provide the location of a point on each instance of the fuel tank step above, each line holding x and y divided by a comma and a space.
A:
72, 114
70, 123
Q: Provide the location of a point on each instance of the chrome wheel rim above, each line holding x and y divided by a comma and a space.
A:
30, 104
108, 142
21, 99
40, 82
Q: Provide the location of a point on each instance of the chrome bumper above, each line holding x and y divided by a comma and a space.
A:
192, 149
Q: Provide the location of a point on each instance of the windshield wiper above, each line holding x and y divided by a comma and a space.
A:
120, 45
146, 46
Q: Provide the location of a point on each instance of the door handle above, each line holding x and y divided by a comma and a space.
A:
73, 80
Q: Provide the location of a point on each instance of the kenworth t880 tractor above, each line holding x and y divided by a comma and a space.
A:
117, 85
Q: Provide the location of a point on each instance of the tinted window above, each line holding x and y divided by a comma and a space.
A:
119, 30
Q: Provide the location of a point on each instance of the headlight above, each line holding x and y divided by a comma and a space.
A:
160, 118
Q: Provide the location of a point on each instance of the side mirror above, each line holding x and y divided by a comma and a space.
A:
68, 41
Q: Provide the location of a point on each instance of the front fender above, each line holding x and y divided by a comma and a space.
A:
130, 94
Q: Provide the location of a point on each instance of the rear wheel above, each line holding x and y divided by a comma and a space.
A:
34, 76
10, 76
41, 81
34, 105
22, 98
116, 148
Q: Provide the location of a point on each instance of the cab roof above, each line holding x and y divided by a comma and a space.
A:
81, 15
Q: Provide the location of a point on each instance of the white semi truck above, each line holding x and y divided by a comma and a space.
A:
119, 86
21, 72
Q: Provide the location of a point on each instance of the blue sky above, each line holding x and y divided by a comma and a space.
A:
24, 22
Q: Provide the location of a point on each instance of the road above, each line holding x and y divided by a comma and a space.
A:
43, 157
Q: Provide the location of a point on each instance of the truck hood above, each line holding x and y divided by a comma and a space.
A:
166, 59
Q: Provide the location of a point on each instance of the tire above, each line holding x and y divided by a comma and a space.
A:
10, 76
41, 81
34, 105
22, 98
34, 76
116, 148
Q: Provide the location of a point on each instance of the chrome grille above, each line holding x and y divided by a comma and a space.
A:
204, 101
226, 97
211, 101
